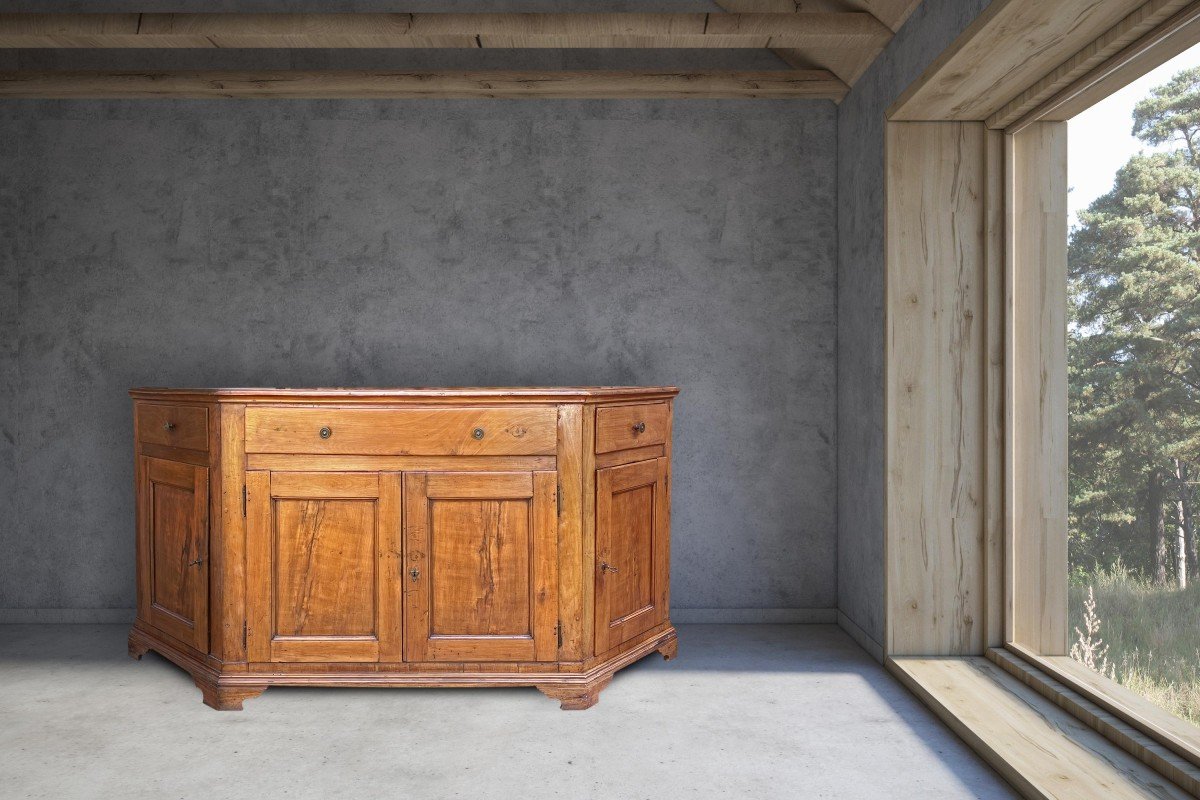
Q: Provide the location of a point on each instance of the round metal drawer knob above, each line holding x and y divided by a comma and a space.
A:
477, 433
639, 427
168, 426
326, 433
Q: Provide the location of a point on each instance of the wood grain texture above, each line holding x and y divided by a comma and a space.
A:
619, 457
227, 698
291, 462
546, 626
389, 550
467, 396
1043, 679
588, 567
1008, 48
628, 427
227, 545
480, 552
994, 388
1087, 67
412, 432
570, 532
173, 425
936, 265
480, 557
892, 13
1180, 737
469, 486
325, 568
330, 543
303, 485
848, 58
1090, 77
576, 698
812, 84
846, 29
1036, 360
226, 686
173, 535
1037, 747
631, 557
259, 566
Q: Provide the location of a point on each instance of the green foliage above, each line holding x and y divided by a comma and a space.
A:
1134, 338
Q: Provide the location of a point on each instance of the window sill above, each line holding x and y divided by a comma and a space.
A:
1043, 750
1181, 738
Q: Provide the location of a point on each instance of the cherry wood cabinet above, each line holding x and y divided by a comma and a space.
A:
403, 537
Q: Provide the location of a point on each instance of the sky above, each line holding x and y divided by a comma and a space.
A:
1102, 139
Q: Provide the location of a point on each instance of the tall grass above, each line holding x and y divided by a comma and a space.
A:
1152, 635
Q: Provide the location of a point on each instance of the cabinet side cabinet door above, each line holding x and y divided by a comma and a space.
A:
173, 549
322, 559
632, 551
481, 566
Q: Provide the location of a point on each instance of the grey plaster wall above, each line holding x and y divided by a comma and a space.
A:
419, 243
860, 413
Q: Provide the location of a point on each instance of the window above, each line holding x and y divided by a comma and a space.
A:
1133, 363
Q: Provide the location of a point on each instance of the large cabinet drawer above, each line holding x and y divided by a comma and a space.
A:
525, 431
173, 425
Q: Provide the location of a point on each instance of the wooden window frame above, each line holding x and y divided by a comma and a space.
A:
976, 530
1037, 629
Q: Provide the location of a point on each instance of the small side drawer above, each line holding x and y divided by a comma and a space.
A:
626, 427
173, 426
531, 431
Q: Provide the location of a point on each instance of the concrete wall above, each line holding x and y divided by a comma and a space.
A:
860, 413
419, 243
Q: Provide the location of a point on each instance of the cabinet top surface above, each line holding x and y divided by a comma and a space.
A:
492, 394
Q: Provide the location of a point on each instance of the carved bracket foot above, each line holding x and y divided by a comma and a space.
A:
227, 698
575, 697
669, 648
136, 648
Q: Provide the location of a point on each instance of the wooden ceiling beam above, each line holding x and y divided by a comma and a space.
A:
848, 60
892, 13
778, 84
855, 31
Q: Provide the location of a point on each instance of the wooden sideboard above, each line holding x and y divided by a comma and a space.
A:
403, 537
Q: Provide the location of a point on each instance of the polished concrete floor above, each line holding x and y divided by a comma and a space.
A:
752, 711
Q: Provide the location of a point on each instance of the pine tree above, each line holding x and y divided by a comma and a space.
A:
1134, 343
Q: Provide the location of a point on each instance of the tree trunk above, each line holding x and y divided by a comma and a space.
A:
1188, 496
1154, 508
1181, 537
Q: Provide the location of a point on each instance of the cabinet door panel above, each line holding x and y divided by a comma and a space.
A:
632, 557
482, 553
323, 553
173, 568
325, 567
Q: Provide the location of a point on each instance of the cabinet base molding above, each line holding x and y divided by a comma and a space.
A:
226, 690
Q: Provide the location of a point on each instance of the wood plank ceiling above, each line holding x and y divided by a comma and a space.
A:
823, 47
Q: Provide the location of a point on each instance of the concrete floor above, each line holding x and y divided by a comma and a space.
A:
752, 711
